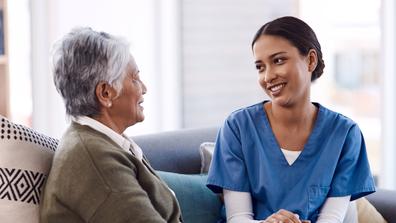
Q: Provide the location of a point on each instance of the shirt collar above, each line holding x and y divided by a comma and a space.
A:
120, 139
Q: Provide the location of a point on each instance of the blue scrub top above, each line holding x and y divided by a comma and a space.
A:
248, 158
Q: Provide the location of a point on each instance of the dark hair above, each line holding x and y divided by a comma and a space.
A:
298, 33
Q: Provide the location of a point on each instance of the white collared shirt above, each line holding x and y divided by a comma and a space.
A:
122, 140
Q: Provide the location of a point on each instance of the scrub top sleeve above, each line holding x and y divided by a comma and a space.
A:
227, 169
352, 175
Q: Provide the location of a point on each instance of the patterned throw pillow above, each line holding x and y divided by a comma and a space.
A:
25, 160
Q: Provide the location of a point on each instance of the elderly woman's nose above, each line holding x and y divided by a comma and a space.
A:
144, 88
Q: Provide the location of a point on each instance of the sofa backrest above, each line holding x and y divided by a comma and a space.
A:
176, 151
385, 202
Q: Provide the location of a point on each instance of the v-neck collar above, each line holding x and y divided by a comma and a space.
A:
308, 147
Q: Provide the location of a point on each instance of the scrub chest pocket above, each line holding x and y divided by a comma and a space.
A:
316, 196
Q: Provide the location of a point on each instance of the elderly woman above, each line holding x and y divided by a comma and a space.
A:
98, 174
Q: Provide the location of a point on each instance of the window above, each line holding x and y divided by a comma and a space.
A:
350, 37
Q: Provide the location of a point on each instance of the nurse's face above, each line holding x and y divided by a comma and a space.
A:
284, 74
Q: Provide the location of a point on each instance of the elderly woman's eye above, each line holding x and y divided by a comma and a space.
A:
134, 78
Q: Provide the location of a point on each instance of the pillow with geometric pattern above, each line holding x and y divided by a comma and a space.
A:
25, 160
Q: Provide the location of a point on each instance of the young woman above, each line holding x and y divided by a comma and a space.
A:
289, 159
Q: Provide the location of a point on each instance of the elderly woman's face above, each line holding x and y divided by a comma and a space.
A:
128, 105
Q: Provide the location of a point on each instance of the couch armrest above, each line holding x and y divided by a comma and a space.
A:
385, 202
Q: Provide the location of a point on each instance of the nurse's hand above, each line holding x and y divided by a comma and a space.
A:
283, 216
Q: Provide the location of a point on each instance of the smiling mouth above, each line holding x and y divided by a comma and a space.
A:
140, 104
276, 88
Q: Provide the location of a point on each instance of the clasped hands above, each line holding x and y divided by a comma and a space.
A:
284, 216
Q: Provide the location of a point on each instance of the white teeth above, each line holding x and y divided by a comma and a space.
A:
277, 87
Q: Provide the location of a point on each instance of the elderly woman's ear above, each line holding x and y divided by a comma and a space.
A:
105, 94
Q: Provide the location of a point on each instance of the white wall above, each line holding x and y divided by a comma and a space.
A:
218, 69
48, 115
19, 60
388, 179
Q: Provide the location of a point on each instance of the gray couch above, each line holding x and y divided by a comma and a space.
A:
178, 152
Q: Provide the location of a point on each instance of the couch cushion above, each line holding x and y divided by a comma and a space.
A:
198, 204
25, 160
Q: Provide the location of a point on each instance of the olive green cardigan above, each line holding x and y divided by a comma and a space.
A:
92, 179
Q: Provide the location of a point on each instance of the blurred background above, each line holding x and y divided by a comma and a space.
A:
195, 58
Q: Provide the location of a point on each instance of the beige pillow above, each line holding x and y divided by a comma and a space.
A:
367, 212
206, 150
25, 160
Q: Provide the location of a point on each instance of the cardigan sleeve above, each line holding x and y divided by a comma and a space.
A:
128, 206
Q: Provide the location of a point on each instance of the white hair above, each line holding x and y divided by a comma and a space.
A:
82, 59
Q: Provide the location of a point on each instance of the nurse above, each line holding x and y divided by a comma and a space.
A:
288, 159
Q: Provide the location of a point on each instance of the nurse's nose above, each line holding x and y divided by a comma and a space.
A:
269, 75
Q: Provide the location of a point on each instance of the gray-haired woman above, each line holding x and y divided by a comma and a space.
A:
98, 174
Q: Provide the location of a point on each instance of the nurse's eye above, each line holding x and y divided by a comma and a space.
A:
279, 60
260, 68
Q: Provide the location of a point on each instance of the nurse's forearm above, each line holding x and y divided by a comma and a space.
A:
334, 210
238, 207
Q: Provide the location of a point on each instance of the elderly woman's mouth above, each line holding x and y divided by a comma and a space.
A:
140, 104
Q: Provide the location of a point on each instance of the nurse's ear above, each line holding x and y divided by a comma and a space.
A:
312, 59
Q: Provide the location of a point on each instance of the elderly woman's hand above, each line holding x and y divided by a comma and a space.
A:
283, 216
